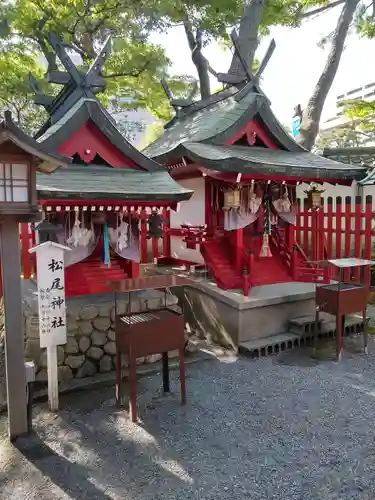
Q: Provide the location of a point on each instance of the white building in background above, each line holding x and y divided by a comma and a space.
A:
132, 122
364, 93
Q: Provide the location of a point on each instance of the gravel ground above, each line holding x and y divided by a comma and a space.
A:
282, 428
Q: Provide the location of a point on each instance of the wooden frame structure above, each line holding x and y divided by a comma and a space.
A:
140, 334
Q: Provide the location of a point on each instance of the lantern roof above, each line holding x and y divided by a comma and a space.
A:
47, 160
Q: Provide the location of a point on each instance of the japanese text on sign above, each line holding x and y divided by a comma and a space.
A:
51, 291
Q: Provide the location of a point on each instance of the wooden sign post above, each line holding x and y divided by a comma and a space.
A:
52, 309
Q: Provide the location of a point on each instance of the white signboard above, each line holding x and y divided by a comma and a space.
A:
51, 292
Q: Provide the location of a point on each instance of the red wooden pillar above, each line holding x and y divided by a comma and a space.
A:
290, 236
33, 244
166, 235
238, 249
208, 202
25, 256
294, 264
143, 237
155, 249
134, 269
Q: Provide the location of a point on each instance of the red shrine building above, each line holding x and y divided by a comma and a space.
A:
217, 189
112, 204
243, 168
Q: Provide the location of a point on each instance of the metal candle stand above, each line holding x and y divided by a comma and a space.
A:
140, 334
341, 299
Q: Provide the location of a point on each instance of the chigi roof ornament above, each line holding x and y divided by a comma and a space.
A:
77, 83
238, 80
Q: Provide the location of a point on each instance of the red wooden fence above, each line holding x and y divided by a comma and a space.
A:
340, 228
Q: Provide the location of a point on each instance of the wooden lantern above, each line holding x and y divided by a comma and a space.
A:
232, 199
313, 197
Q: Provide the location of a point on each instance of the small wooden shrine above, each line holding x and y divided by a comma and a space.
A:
111, 200
243, 167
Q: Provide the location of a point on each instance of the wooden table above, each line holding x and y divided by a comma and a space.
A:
341, 299
149, 332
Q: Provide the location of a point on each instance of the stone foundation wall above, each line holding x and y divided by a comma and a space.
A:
90, 347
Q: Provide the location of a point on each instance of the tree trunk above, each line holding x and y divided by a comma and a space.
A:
312, 113
248, 36
195, 44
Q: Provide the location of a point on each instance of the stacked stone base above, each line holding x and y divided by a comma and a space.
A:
90, 346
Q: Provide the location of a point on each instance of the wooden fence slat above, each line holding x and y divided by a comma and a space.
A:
143, 242
298, 223
357, 235
329, 227
306, 224
347, 234
166, 236
314, 235
368, 238
321, 234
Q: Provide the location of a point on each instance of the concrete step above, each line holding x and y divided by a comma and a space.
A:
270, 345
301, 333
305, 325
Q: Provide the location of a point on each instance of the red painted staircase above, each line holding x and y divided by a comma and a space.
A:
266, 270
216, 253
87, 277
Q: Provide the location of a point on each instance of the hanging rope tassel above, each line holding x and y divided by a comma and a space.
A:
265, 251
107, 259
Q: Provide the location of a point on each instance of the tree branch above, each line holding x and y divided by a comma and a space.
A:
134, 74
320, 10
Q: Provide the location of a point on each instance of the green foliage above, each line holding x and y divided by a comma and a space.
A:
365, 19
359, 129
135, 64
153, 131
15, 93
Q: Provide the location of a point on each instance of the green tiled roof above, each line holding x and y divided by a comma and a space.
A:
207, 122
95, 182
364, 156
256, 160
89, 109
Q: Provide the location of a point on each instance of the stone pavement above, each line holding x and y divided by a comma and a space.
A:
284, 428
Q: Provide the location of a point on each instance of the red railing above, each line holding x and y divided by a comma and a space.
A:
341, 228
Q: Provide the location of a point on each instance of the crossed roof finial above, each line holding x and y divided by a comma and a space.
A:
233, 79
77, 83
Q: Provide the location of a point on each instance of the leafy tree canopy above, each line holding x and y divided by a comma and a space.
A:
134, 67
15, 93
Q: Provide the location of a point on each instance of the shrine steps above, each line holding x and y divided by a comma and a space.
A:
219, 263
266, 270
235, 319
88, 277
271, 319
301, 333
